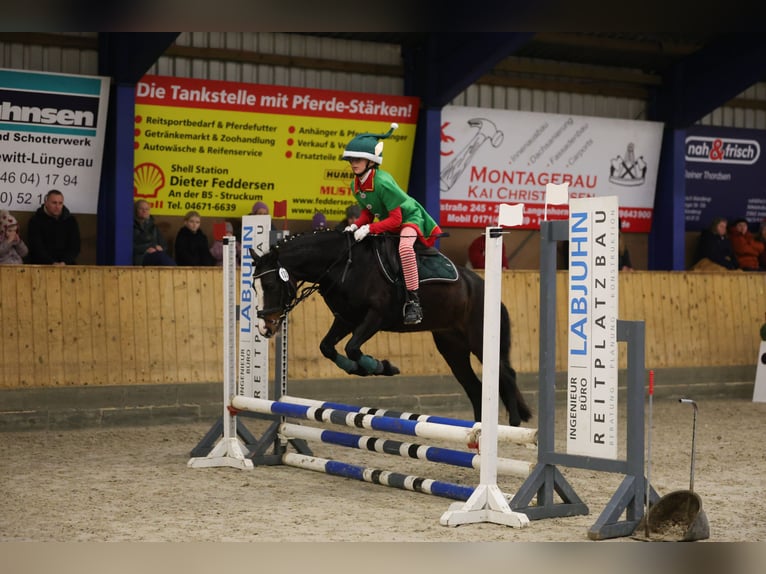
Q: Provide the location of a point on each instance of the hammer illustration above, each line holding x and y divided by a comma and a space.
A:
487, 130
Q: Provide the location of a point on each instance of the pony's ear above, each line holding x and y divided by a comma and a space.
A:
254, 255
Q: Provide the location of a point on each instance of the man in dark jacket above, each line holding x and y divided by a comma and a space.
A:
53, 235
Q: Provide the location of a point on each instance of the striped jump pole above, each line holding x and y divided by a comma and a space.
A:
505, 432
427, 430
505, 466
376, 476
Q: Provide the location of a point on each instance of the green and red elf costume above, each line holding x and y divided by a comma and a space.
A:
381, 198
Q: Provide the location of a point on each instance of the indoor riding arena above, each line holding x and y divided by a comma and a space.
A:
125, 410
102, 454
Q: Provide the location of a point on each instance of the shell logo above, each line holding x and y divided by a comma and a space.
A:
148, 179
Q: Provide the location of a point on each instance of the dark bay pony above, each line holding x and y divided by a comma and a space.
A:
364, 300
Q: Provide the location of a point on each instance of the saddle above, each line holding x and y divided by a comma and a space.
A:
433, 266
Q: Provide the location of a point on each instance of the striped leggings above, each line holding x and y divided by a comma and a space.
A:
407, 238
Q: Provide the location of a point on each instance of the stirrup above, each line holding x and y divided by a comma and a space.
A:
413, 314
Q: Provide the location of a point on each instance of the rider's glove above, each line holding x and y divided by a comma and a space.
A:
362, 232
351, 228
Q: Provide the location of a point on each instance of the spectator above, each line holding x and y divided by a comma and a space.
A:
149, 245
714, 250
216, 250
745, 247
259, 208
623, 261
12, 248
477, 254
191, 247
319, 222
53, 234
352, 214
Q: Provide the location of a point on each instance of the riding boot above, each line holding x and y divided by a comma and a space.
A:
413, 314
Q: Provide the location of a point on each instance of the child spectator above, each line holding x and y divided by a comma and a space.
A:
191, 245
319, 222
12, 248
216, 250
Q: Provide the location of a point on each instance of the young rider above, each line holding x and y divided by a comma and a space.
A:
381, 198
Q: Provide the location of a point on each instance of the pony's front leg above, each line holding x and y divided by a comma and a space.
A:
368, 365
338, 330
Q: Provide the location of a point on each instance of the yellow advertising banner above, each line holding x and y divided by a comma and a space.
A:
219, 147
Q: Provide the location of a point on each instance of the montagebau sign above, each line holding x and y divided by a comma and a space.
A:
490, 157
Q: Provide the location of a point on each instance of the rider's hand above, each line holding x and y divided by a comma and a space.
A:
351, 228
362, 232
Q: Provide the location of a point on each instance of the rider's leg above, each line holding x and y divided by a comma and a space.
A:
413, 314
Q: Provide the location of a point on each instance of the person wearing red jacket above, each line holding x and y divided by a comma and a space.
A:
745, 246
477, 253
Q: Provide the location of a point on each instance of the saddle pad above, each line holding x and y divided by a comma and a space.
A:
435, 266
432, 265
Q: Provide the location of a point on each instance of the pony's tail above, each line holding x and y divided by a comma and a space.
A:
508, 382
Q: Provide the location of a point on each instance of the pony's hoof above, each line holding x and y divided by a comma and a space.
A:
359, 371
389, 370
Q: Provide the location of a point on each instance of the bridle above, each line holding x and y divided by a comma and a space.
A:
289, 295
292, 294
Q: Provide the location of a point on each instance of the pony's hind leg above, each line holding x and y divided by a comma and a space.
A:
453, 347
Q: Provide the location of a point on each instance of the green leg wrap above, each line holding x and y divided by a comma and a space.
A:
345, 363
369, 364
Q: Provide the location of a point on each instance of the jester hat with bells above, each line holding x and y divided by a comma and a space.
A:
368, 146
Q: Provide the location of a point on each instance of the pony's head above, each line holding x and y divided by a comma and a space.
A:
275, 292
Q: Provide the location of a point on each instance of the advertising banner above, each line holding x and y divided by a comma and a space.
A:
489, 157
592, 357
253, 376
52, 129
218, 147
724, 176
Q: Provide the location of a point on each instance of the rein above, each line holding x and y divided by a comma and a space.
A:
298, 293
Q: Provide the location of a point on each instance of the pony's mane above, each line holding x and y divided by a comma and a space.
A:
303, 234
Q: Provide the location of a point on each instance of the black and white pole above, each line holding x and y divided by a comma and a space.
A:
488, 503
230, 450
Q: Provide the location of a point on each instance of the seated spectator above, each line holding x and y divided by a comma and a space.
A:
714, 251
191, 246
216, 250
12, 248
149, 245
745, 247
53, 234
319, 222
259, 208
623, 260
477, 254
353, 212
